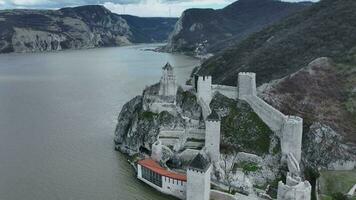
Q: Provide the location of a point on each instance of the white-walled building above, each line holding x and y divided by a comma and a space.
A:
167, 182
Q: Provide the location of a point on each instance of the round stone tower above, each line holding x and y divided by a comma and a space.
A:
156, 153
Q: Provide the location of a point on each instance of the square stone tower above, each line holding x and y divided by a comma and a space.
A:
212, 136
198, 179
168, 83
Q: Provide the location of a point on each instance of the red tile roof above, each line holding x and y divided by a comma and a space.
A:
154, 166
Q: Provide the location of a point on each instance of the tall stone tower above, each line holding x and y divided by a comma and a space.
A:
198, 179
168, 83
204, 92
212, 136
247, 84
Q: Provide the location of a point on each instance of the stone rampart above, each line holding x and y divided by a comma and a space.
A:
288, 128
271, 116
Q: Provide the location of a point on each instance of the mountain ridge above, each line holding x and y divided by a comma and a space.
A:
90, 26
206, 30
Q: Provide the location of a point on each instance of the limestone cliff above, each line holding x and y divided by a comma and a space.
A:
76, 28
138, 128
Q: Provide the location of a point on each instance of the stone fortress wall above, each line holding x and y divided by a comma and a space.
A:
288, 128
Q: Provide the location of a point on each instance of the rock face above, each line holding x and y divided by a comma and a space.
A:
207, 30
319, 95
138, 128
74, 28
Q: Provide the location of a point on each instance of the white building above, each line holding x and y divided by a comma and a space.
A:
212, 136
168, 83
198, 179
167, 182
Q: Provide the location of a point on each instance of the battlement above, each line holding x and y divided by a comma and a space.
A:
204, 88
294, 119
205, 78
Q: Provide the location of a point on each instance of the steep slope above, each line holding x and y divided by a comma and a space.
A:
74, 28
208, 30
325, 29
322, 93
150, 29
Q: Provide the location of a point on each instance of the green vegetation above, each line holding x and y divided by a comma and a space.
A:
248, 167
241, 128
333, 184
146, 115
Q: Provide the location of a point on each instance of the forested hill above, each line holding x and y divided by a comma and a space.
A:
208, 30
324, 30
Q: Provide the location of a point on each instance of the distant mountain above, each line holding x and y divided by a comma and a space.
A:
75, 28
324, 92
208, 30
150, 29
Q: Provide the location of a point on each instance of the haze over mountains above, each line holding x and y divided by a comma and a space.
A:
77, 28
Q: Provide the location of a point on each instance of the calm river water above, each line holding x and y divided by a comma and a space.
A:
57, 118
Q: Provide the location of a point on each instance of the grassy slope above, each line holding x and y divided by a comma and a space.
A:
332, 182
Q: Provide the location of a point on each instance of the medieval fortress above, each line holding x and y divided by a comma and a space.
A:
202, 145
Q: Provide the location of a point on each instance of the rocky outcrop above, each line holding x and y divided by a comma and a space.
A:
138, 128
76, 28
200, 31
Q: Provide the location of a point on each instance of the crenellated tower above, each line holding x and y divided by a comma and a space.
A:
168, 82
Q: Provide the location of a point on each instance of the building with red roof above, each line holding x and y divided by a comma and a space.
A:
165, 181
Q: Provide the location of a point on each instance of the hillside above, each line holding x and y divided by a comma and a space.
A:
75, 28
325, 29
208, 30
150, 29
323, 93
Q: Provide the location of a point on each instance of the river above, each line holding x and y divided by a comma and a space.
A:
58, 113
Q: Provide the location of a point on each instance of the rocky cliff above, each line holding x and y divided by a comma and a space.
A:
75, 28
207, 30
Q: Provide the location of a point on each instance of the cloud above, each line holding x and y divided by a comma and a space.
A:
162, 8
172, 8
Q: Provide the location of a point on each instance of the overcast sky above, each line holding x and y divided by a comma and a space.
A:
164, 8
